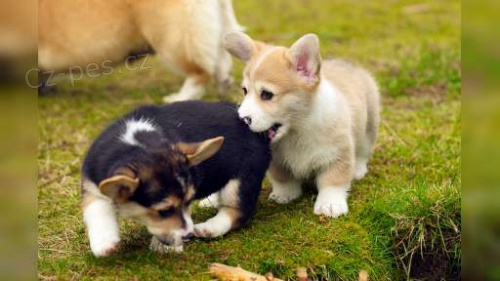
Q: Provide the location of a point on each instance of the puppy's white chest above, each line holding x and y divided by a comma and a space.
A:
304, 155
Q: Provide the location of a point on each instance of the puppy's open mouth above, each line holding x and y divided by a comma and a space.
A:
273, 131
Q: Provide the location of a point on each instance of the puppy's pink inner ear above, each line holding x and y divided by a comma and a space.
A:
302, 66
306, 64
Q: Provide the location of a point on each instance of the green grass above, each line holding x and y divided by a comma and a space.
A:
404, 214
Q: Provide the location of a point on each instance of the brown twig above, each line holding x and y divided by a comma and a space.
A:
363, 275
231, 273
302, 274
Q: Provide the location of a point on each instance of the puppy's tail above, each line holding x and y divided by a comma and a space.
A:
229, 21
224, 62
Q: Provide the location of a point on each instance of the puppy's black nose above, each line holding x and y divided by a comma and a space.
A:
188, 236
247, 120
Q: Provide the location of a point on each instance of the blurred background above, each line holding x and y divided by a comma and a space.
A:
18, 141
481, 139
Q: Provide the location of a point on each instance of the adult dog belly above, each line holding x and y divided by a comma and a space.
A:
80, 32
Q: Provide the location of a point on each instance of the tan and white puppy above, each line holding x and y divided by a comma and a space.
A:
186, 35
322, 117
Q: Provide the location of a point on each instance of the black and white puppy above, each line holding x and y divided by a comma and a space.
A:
152, 163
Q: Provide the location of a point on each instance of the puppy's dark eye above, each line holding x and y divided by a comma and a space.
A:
166, 212
245, 92
266, 95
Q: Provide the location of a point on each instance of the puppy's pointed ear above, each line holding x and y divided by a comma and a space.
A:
119, 187
199, 152
239, 45
306, 59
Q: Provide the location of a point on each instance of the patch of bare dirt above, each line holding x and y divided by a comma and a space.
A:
437, 92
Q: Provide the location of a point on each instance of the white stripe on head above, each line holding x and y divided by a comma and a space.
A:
262, 58
186, 214
133, 126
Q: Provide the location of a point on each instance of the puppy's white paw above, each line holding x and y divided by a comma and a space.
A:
330, 209
331, 202
211, 201
285, 194
189, 91
283, 198
209, 230
104, 245
214, 227
204, 230
175, 97
158, 247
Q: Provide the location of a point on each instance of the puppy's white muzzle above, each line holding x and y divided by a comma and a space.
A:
254, 116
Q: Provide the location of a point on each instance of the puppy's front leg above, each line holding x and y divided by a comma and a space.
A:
225, 220
229, 213
333, 187
102, 226
285, 187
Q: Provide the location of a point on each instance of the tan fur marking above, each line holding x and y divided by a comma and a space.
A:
126, 171
278, 173
165, 224
88, 188
200, 76
199, 152
189, 193
339, 175
229, 195
146, 172
87, 199
169, 202
277, 68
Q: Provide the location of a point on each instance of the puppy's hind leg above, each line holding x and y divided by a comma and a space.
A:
223, 74
224, 63
366, 146
361, 160
198, 51
192, 89
212, 201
